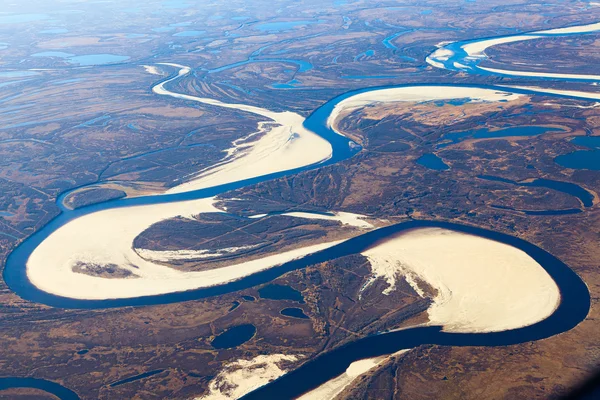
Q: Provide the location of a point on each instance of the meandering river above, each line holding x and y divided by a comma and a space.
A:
575, 300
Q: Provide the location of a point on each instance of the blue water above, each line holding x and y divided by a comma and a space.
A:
574, 306
280, 292
47, 386
592, 142
6, 214
136, 377
234, 305
387, 42
294, 313
582, 159
586, 197
234, 337
293, 84
14, 271
471, 64
542, 213
368, 53
432, 161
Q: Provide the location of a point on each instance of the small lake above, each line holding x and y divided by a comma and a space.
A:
136, 377
586, 198
582, 159
47, 386
432, 161
280, 292
294, 312
234, 337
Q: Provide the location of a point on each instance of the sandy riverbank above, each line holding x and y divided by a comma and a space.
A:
104, 239
282, 144
482, 285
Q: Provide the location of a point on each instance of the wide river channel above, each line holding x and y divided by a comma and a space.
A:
573, 308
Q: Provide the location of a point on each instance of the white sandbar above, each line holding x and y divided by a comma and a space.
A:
286, 145
418, 94
482, 285
189, 255
541, 74
345, 218
476, 49
570, 93
335, 386
243, 376
106, 237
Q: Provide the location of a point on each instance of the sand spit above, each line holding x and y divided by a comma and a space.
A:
189, 255
418, 94
243, 376
105, 238
282, 147
569, 93
542, 74
477, 49
482, 285
345, 218
573, 29
329, 390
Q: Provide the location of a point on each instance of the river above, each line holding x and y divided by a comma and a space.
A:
573, 308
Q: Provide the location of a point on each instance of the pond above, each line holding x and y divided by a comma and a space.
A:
234, 337
432, 161
280, 292
294, 312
